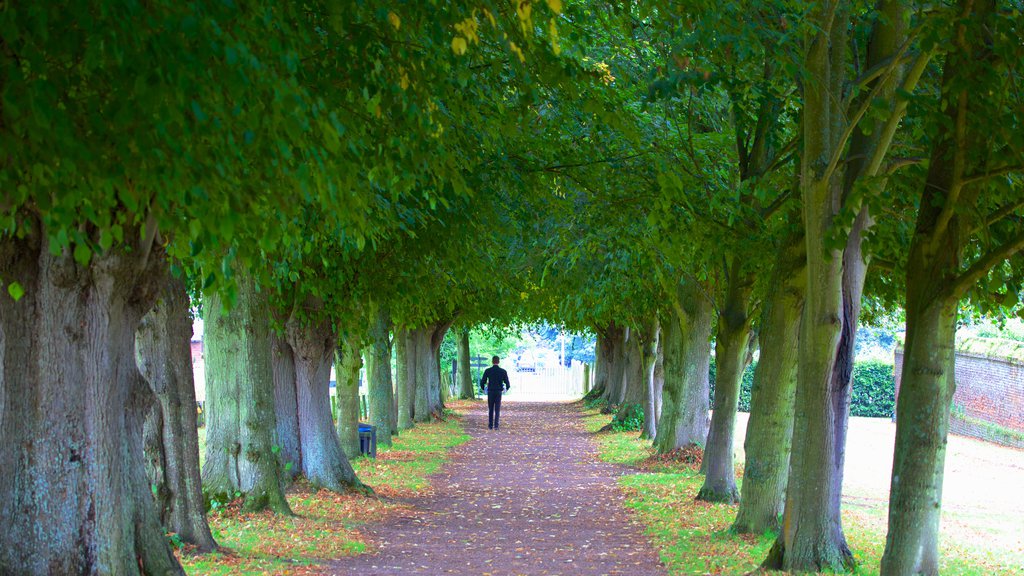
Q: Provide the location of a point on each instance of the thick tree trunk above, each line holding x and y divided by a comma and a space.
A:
466, 387
403, 379
922, 423
600, 386
422, 364
684, 417
612, 355
732, 354
172, 447
649, 337
348, 365
618, 378
934, 288
434, 366
770, 428
426, 345
634, 384
313, 343
74, 497
380, 393
241, 420
286, 406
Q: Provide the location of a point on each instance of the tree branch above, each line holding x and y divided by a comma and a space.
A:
983, 265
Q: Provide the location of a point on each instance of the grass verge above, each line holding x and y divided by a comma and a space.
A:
695, 538
326, 524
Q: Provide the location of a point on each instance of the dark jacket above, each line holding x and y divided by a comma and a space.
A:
495, 378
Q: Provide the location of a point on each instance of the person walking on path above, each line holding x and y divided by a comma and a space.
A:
496, 380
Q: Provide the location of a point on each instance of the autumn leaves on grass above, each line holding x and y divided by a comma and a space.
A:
327, 525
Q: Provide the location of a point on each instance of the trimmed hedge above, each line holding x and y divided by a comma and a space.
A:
874, 389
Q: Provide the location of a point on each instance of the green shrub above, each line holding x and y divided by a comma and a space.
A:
633, 420
874, 388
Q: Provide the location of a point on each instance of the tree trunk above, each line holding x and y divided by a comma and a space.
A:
422, 364
466, 387
286, 406
348, 364
434, 366
241, 419
649, 337
634, 384
615, 354
770, 428
172, 452
934, 288
732, 354
600, 387
74, 497
403, 379
586, 379
380, 393
684, 417
313, 342
659, 382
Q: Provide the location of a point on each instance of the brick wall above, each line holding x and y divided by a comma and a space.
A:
989, 398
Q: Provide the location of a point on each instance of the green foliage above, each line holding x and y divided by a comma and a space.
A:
631, 420
874, 390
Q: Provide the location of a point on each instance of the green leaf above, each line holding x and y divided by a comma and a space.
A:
15, 290
82, 254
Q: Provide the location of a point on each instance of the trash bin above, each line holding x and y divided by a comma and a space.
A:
368, 440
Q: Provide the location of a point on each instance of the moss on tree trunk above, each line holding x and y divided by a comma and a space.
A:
380, 392
466, 388
240, 416
687, 350
348, 364
732, 354
768, 441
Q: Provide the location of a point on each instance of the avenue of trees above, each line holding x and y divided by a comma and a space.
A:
343, 184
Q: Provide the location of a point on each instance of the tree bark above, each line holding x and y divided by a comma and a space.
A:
74, 497
286, 406
379, 389
684, 417
172, 447
812, 536
633, 384
418, 378
313, 342
403, 383
933, 294
770, 428
348, 364
466, 387
732, 354
586, 379
241, 419
616, 360
648, 341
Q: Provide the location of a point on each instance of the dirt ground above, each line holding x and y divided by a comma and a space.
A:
983, 491
529, 498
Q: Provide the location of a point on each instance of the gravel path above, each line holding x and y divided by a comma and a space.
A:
531, 498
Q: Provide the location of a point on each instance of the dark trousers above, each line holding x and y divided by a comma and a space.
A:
493, 408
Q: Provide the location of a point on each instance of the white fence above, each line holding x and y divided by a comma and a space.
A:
547, 384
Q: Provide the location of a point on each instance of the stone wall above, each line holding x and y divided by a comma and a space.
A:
989, 400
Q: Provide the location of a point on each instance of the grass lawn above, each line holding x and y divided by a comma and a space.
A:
694, 538
326, 525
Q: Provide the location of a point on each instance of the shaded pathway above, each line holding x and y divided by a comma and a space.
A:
531, 498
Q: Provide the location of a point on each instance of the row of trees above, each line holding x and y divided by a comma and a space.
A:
345, 183
822, 155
